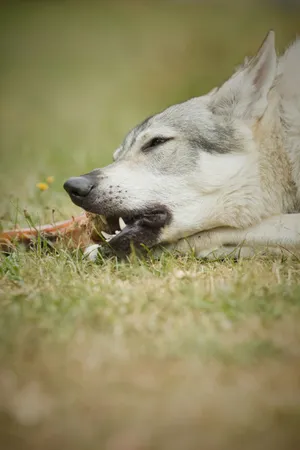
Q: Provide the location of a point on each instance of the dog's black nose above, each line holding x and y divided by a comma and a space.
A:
79, 186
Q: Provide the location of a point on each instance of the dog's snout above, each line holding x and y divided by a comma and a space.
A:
78, 186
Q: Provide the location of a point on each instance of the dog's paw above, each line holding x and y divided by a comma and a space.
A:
91, 252
211, 253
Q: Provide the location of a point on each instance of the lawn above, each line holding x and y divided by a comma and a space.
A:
168, 354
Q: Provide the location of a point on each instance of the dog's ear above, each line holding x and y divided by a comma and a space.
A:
245, 94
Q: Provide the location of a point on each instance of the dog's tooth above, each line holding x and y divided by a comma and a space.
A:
107, 236
117, 232
122, 224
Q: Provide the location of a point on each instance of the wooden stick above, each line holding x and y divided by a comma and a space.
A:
73, 232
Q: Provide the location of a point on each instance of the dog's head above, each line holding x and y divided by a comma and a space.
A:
189, 168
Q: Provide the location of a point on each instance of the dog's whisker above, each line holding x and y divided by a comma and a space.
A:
122, 223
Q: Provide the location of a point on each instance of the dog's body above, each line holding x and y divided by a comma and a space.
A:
218, 170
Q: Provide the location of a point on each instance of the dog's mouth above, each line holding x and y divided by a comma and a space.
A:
140, 229
122, 227
154, 219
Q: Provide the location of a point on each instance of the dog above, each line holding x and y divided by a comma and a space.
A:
213, 174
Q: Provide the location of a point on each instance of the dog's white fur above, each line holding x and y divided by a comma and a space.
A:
278, 133
249, 196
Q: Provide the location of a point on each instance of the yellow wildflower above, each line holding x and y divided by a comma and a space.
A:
42, 186
50, 180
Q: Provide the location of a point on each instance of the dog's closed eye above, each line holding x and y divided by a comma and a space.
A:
155, 142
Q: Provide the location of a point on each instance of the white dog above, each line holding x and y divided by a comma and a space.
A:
215, 171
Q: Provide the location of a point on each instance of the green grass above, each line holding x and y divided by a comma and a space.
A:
165, 354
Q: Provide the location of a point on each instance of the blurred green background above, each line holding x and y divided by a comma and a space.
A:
76, 76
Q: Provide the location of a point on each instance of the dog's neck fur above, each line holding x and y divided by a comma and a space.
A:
275, 165
289, 91
278, 137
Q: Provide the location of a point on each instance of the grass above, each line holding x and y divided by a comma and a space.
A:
173, 353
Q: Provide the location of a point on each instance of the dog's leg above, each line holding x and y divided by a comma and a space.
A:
278, 233
240, 251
